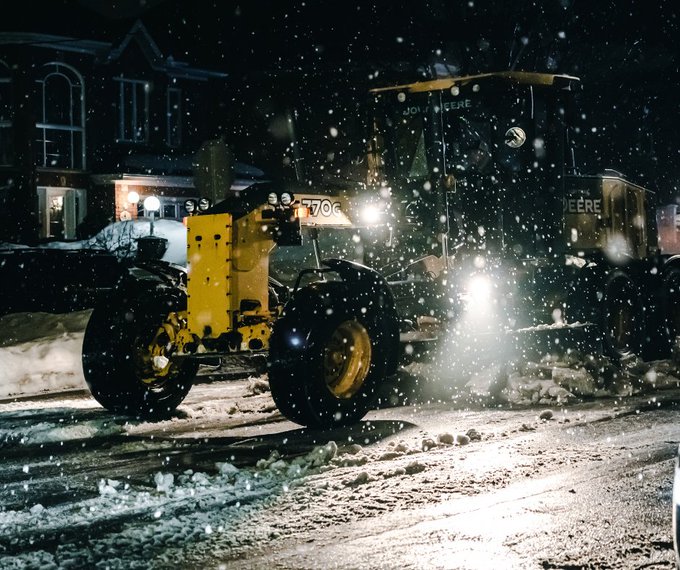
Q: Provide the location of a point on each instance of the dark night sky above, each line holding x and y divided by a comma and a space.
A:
626, 51
573, 35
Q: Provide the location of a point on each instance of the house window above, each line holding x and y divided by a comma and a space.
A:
174, 117
60, 141
170, 211
133, 110
172, 208
6, 117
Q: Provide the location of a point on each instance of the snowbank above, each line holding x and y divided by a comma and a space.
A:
41, 353
567, 378
120, 238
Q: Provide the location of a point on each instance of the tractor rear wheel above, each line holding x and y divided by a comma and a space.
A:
671, 296
621, 316
128, 353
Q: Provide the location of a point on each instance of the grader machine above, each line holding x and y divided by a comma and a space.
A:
473, 222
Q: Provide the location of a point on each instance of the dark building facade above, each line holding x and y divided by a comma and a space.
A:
88, 129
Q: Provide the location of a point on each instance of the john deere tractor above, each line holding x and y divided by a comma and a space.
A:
473, 223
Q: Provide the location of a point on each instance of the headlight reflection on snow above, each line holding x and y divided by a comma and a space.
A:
478, 333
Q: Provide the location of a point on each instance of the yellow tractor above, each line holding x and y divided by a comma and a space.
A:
328, 350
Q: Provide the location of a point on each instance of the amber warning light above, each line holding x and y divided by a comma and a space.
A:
302, 212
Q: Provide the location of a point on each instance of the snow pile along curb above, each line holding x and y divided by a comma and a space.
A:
41, 353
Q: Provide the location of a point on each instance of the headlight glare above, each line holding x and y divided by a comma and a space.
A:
479, 290
371, 214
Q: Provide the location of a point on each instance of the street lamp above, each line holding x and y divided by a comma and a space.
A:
152, 205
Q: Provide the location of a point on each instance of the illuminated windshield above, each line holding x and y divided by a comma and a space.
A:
472, 130
403, 130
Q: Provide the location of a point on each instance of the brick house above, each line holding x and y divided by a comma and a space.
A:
85, 123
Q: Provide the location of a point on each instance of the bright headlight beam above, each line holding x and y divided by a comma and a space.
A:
480, 290
371, 214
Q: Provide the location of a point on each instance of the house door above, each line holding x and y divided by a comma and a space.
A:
61, 210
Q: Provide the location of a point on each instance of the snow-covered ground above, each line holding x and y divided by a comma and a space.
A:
165, 506
86, 489
41, 353
161, 510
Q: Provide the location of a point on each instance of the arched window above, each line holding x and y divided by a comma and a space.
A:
61, 118
6, 115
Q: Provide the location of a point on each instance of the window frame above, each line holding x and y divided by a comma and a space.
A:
6, 123
74, 129
174, 117
127, 132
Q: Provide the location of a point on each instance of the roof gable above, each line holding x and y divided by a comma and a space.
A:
141, 36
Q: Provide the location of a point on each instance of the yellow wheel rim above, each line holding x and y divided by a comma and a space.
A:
347, 359
153, 361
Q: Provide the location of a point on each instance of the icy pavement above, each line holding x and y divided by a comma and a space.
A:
82, 488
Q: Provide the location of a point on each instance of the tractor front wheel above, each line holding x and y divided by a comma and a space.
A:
671, 306
327, 359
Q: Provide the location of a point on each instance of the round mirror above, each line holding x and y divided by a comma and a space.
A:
515, 137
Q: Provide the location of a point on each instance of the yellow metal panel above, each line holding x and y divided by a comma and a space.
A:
625, 216
228, 277
250, 274
210, 288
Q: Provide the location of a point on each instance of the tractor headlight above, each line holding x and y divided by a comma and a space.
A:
190, 206
272, 199
204, 204
286, 199
478, 292
479, 302
480, 289
371, 214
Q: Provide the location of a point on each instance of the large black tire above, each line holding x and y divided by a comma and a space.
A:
117, 360
671, 308
621, 316
609, 301
662, 313
327, 357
